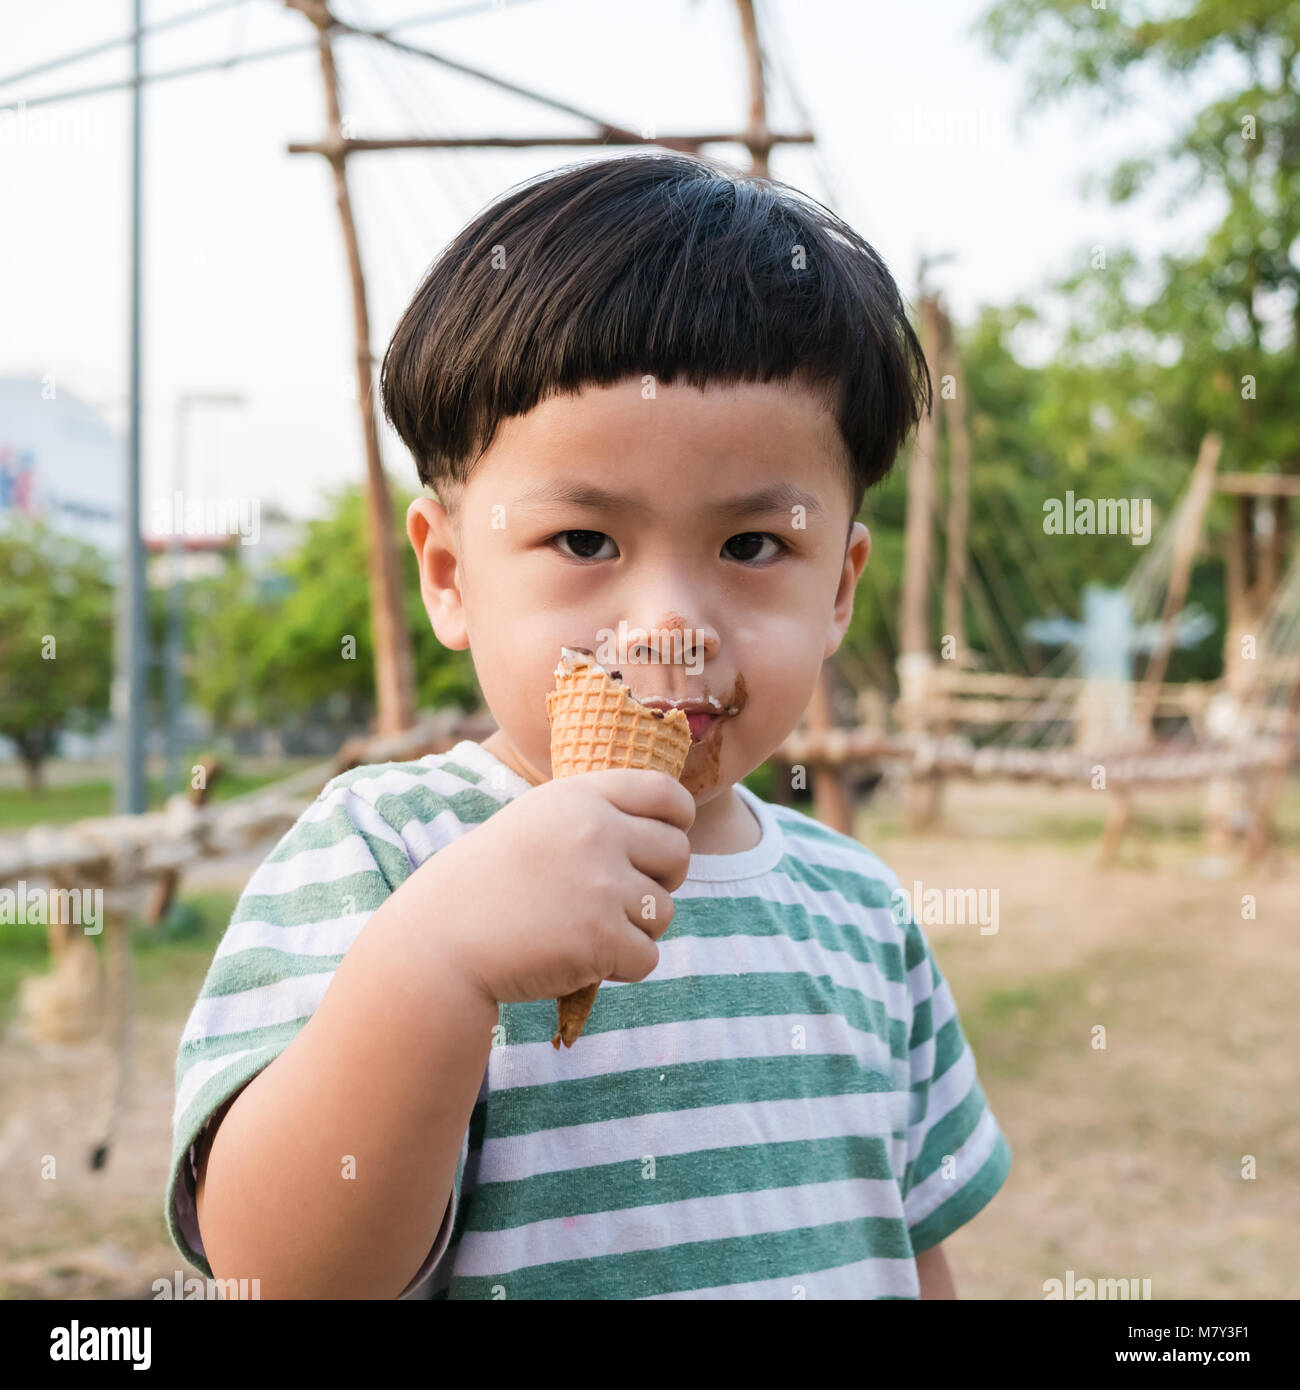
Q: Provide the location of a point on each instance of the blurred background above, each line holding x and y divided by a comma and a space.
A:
1066, 711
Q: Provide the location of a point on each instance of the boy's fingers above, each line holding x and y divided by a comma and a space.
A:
640, 792
637, 953
653, 910
660, 851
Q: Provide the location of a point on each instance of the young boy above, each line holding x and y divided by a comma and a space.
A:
650, 396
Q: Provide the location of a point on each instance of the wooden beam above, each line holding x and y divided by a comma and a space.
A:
1259, 484
687, 143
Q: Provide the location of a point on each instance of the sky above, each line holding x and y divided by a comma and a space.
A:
246, 290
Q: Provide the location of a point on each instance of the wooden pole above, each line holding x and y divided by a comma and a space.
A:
394, 674
1262, 830
393, 667
1189, 532
954, 414
831, 802
758, 139
1252, 574
914, 628
921, 795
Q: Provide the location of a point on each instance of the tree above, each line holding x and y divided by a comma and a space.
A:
56, 640
1153, 356
305, 646
1224, 315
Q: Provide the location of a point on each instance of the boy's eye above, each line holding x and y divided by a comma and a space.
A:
746, 542
585, 543
745, 547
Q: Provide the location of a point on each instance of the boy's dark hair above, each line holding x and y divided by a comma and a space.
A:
656, 264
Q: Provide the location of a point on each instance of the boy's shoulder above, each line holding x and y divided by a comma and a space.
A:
463, 782
816, 851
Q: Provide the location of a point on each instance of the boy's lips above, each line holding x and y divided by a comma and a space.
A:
701, 714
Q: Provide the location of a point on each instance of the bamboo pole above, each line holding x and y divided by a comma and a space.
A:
921, 794
758, 138
394, 672
831, 802
914, 628
954, 412
1180, 574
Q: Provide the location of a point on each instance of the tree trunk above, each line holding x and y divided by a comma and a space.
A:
33, 774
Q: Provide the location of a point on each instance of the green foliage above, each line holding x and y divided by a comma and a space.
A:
1151, 357
1213, 314
303, 648
56, 639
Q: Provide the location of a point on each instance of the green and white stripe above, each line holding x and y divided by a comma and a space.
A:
766, 1116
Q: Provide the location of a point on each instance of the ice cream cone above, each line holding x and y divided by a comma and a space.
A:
596, 723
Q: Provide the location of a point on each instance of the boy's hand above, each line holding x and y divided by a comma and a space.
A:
566, 886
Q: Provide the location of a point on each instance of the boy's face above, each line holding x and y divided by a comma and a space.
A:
663, 581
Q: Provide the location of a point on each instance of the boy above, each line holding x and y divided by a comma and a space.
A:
612, 376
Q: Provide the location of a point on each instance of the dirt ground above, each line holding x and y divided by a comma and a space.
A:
1128, 1159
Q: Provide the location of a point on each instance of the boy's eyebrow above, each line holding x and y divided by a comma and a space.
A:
778, 497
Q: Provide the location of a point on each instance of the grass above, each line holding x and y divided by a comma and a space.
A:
169, 961
169, 965
1011, 1028
61, 803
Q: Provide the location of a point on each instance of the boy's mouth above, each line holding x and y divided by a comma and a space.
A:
702, 715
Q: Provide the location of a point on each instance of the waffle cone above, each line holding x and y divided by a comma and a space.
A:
597, 723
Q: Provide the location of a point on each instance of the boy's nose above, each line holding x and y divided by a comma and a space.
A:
672, 637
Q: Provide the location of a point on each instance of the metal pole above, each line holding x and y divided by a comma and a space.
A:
174, 684
131, 692
175, 609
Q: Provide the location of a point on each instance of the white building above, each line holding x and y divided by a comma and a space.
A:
60, 462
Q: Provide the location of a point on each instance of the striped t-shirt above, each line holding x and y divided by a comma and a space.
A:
785, 1107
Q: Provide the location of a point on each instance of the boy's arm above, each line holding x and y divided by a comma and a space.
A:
331, 1172
934, 1275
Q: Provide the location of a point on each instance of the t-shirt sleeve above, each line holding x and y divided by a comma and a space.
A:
292, 925
957, 1157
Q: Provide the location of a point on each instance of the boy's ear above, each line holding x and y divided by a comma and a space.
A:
855, 561
433, 538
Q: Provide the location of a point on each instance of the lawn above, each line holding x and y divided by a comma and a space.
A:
62, 802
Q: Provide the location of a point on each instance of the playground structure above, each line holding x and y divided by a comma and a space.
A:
1087, 719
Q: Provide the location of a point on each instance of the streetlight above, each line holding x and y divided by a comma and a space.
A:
173, 778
